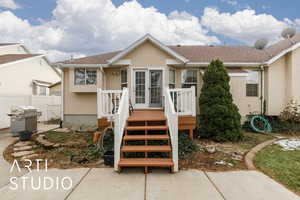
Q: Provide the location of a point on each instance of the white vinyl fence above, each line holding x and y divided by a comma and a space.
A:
50, 106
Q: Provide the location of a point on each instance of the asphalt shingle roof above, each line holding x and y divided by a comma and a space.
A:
230, 54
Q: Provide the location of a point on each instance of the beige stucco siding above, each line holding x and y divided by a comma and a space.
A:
113, 78
76, 103
245, 104
277, 87
147, 55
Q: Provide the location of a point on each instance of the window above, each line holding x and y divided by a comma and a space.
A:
124, 81
189, 78
42, 90
252, 84
85, 76
171, 78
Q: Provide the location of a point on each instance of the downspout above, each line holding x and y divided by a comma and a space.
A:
262, 89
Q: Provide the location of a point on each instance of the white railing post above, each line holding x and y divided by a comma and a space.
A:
120, 123
172, 119
99, 102
193, 97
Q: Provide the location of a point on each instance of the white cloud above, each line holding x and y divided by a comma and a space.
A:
245, 26
231, 2
94, 26
10, 4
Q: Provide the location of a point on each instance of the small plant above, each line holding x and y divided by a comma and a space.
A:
291, 112
185, 146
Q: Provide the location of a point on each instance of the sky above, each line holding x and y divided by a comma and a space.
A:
64, 28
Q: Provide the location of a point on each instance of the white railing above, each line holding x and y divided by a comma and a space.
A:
172, 119
108, 102
184, 100
120, 122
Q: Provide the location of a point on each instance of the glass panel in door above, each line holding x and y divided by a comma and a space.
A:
140, 87
155, 88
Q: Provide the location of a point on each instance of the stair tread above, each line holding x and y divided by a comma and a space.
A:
146, 137
131, 128
149, 148
137, 162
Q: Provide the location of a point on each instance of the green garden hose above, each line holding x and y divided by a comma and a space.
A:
260, 124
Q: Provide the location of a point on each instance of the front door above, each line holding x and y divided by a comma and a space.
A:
140, 88
147, 88
155, 88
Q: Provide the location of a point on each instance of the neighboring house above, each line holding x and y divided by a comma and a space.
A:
55, 89
91, 86
23, 73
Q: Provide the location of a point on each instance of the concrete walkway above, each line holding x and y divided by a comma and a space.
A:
104, 183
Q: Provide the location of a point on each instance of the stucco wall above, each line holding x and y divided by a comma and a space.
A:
17, 78
277, 87
148, 54
76, 103
244, 103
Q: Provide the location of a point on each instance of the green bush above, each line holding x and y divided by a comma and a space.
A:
219, 116
185, 145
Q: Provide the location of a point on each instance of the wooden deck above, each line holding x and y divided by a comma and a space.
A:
185, 122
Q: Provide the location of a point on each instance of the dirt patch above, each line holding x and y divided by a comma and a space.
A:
80, 151
222, 156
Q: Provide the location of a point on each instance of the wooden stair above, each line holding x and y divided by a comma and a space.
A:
146, 142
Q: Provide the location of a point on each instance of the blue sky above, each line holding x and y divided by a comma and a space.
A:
33, 9
85, 27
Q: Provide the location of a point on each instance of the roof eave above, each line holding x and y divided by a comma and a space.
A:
229, 64
282, 53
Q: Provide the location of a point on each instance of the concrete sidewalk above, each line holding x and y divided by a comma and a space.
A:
103, 183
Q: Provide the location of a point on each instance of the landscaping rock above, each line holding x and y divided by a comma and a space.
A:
20, 144
41, 139
237, 156
22, 148
62, 130
224, 163
30, 156
22, 153
211, 149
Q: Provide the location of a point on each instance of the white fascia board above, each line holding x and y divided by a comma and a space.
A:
142, 40
60, 65
238, 74
123, 62
21, 60
230, 64
9, 45
292, 48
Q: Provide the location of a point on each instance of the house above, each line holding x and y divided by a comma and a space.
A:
55, 89
163, 83
23, 73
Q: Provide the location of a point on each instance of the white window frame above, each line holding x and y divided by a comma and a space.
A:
38, 87
124, 83
251, 82
85, 75
188, 83
172, 83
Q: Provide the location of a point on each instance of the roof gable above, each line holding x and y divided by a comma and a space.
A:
139, 42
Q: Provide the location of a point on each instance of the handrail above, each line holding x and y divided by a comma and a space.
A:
172, 119
120, 123
108, 102
184, 100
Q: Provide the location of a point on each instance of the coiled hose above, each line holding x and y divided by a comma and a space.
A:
260, 124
